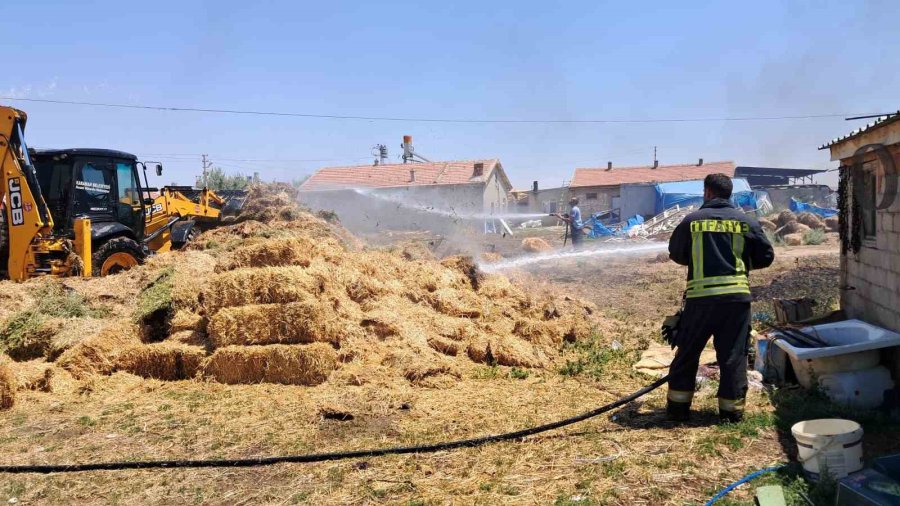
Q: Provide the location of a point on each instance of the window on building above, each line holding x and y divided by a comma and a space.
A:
591, 196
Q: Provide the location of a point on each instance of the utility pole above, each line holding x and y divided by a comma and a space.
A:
655, 161
206, 166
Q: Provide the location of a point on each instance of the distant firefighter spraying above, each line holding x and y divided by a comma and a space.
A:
574, 224
720, 245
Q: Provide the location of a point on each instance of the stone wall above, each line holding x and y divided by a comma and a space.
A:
870, 278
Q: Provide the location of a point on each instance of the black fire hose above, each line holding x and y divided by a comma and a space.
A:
323, 457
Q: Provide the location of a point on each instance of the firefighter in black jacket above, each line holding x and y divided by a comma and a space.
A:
720, 245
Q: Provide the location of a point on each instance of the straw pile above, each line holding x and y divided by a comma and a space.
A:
535, 245
785, 217
282, 296
793, 239
7, 384
810, 220
767, 224
792, 227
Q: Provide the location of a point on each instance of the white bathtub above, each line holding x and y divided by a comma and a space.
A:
854, 346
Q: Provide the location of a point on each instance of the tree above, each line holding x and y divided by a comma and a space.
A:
217, 180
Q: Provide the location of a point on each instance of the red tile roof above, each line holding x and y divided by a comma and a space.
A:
393, 175
647, 174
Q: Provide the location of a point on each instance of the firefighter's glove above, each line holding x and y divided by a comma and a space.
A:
670, 329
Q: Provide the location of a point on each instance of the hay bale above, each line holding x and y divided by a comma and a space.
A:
491, 257
793, 227
292, 323
419, 367
167, 361
767, 224
99, 353
187, 321
260, 286
281, 252
811, 220
535, 245
7, 383
285, 364
793, 239
785, 217
34, 375
466, 266
454, 302
189, 337
72, 333
832, 224
445, 346
534, 331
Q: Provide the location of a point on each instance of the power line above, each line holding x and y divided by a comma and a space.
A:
429, 120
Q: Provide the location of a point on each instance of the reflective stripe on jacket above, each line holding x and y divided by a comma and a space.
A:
720, 245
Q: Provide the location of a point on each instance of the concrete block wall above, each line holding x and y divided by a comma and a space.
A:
874, 274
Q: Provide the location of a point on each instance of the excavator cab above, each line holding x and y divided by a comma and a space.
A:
104, 186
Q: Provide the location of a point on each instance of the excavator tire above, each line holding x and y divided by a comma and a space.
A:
116, 255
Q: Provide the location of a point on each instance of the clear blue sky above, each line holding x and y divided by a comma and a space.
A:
463, 59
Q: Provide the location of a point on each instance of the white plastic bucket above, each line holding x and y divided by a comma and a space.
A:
829, 444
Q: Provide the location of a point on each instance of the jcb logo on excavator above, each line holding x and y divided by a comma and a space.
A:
15, 202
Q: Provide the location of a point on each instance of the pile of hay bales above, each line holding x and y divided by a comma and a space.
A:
798, 229
282, 296
535, 245
811, 220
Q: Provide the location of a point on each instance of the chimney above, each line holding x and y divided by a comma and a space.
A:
534, 187
608, 165
700, 163
479, 170
655, 164
412, 175
407, 148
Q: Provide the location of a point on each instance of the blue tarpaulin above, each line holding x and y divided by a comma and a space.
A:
687, 193
801, 207
598, 229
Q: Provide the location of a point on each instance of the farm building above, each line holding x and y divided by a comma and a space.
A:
539, 200
409, 195
600, 189
870, 221
776, 176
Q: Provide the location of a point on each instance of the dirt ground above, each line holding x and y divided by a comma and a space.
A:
632, 456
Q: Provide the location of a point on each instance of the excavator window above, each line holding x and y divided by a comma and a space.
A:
93, 189
129, 209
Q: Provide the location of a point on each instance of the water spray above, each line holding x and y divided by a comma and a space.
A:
546, 257
449, 213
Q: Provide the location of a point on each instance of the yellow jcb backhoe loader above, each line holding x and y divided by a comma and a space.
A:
84, 211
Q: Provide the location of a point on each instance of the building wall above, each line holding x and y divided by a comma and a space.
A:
870, 279
541, 202
638, 199
496, 194
604, 201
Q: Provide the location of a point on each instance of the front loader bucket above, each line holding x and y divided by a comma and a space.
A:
234, 202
